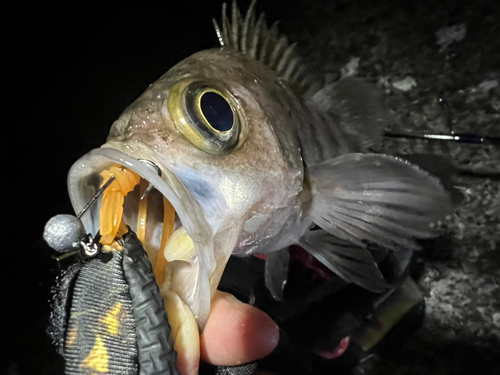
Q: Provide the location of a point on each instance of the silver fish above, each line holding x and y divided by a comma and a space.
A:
252, 158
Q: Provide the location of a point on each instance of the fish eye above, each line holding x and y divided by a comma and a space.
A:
206, 114
217, 111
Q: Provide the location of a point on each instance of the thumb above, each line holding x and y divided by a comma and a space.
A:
236, 333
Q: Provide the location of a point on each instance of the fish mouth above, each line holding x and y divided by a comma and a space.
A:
191, 269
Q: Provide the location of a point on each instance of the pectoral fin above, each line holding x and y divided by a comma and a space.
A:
353, 263
276, 272
442, 167
376, 198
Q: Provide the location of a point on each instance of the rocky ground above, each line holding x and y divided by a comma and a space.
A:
420, 51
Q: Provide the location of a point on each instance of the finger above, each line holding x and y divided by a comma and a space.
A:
236, 333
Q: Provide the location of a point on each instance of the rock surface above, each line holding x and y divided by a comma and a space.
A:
395, 45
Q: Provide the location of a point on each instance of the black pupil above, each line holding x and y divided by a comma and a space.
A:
217, 111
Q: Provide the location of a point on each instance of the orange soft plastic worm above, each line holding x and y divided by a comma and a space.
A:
168, 229
112, 201
112, 225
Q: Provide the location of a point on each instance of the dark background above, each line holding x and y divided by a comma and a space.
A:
73, 68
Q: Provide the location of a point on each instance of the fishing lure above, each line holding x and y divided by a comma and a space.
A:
108, 315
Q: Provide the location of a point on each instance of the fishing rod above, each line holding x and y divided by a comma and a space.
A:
452, 136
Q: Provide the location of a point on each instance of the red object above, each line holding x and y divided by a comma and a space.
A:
338, 351
307, 260
298, 253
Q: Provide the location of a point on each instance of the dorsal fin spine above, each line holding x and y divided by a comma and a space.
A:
253, 38
225, 24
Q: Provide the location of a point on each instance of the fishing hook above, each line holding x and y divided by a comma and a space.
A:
61, 231
95, 197
156, 168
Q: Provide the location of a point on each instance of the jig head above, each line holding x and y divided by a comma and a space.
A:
66, 234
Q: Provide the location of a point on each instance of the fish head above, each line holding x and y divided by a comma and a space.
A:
221, 128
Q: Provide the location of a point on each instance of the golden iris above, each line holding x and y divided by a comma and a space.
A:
206, 114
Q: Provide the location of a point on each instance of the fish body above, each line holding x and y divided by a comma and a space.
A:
252, 162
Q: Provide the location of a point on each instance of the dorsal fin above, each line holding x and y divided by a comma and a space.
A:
251, 36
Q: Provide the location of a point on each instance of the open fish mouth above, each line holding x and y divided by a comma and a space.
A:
148, 198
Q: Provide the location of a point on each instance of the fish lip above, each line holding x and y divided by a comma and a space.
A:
81, 189
101, 158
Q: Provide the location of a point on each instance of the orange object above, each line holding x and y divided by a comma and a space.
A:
112, 201
168, 229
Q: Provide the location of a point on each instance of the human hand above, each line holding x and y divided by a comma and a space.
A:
236, 332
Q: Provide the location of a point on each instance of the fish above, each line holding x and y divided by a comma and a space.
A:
241, 150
